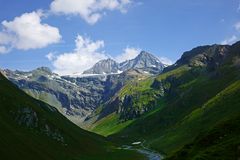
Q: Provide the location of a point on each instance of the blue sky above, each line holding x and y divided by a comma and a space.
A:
165, 28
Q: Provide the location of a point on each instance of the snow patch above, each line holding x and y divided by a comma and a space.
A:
136, 143
119, 72
92, 75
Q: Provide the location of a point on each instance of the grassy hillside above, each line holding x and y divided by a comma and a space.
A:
31, 129
221, 141
200, 93
109, 125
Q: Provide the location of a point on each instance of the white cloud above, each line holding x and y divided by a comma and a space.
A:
27, 32
166, 60
90, 10
234, 37
128, 53
84, 56
87, 53
230, 40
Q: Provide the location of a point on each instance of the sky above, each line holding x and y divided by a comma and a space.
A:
69, 36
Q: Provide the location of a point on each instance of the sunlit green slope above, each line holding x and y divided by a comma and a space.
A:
186, 102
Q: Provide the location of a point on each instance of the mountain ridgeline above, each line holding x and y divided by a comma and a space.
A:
144, 61
78, 97
196, 110
189, 110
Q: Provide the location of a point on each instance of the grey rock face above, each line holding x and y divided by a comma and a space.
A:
75, 97
26, 116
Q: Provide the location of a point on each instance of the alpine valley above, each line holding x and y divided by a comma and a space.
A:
137, 109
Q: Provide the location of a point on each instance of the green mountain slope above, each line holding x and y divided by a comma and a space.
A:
31, 129
221, 141
186, 102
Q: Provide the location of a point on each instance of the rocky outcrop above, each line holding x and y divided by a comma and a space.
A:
204, 56
27, 117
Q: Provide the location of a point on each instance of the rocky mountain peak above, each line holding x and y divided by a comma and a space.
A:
44, 70
105, 66
204, 55
144, 61
145, 54
108, 61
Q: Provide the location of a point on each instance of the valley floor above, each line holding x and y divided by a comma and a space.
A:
150, 154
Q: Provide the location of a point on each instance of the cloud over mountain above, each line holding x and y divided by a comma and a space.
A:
86, 53
128, 53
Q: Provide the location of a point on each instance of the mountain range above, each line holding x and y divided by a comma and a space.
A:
78, 97
189, 110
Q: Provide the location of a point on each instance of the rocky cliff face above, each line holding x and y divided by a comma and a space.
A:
75, 97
